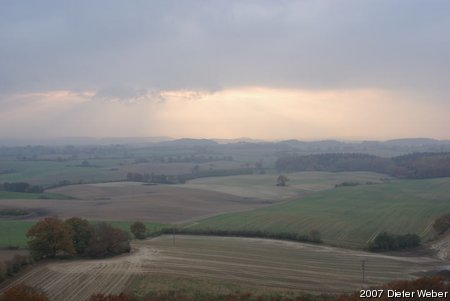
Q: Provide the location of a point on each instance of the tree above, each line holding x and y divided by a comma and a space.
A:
22, 292
281, 180
82, 232
107, 240
442, 224
314, 235
49, 237
139, 230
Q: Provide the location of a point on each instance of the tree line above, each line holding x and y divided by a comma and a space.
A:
21, 187
313, 236
52, 237
391, 242
181, 179
412, 166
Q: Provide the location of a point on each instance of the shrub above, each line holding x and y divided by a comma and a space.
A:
22, 292
387, 242
139, 230
442, 224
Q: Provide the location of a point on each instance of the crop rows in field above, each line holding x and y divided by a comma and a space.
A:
78, 280
277, 264
350, 216
264, 186
257, 263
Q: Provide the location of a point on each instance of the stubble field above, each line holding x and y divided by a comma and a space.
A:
262, 264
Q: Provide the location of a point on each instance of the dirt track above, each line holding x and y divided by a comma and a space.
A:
254, 262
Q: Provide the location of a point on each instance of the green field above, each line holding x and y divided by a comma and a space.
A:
52, 172
264, 186
349, 216
13, 233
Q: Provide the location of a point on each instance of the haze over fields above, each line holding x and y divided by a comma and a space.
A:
224, 150
225, 69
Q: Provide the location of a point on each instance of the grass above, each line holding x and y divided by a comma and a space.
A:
51, 172
350, 216
190, 289
28, 196
264, 186
13, 233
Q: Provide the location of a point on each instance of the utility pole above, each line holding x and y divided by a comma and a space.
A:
363, 267
173, 236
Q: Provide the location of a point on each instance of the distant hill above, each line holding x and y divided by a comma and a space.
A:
188, 142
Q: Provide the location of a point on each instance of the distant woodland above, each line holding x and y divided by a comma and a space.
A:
411, 166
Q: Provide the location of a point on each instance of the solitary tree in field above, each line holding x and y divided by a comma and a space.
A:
138, 229
281, 180
49, 237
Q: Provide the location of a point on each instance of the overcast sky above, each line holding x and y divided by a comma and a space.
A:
224, 69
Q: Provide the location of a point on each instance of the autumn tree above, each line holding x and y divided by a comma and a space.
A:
442, 224
281, 180
82, 232
22, 292
49, 237
107, 240
139, 230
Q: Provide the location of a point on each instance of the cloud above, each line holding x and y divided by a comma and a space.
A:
258, 112
320, 68
126, 94
197, 45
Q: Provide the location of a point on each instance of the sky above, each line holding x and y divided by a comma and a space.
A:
308, 70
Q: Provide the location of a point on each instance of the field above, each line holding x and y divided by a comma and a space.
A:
25, 195
49, 173
134, 201
14, 232
264, 186
350, 216
262, 264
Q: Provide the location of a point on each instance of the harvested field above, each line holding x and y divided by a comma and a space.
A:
253, 262
134, 201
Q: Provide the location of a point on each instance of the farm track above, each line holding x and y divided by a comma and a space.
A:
442, 246
253, 262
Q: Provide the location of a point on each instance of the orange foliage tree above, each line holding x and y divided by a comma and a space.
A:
49, 237
22, 292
